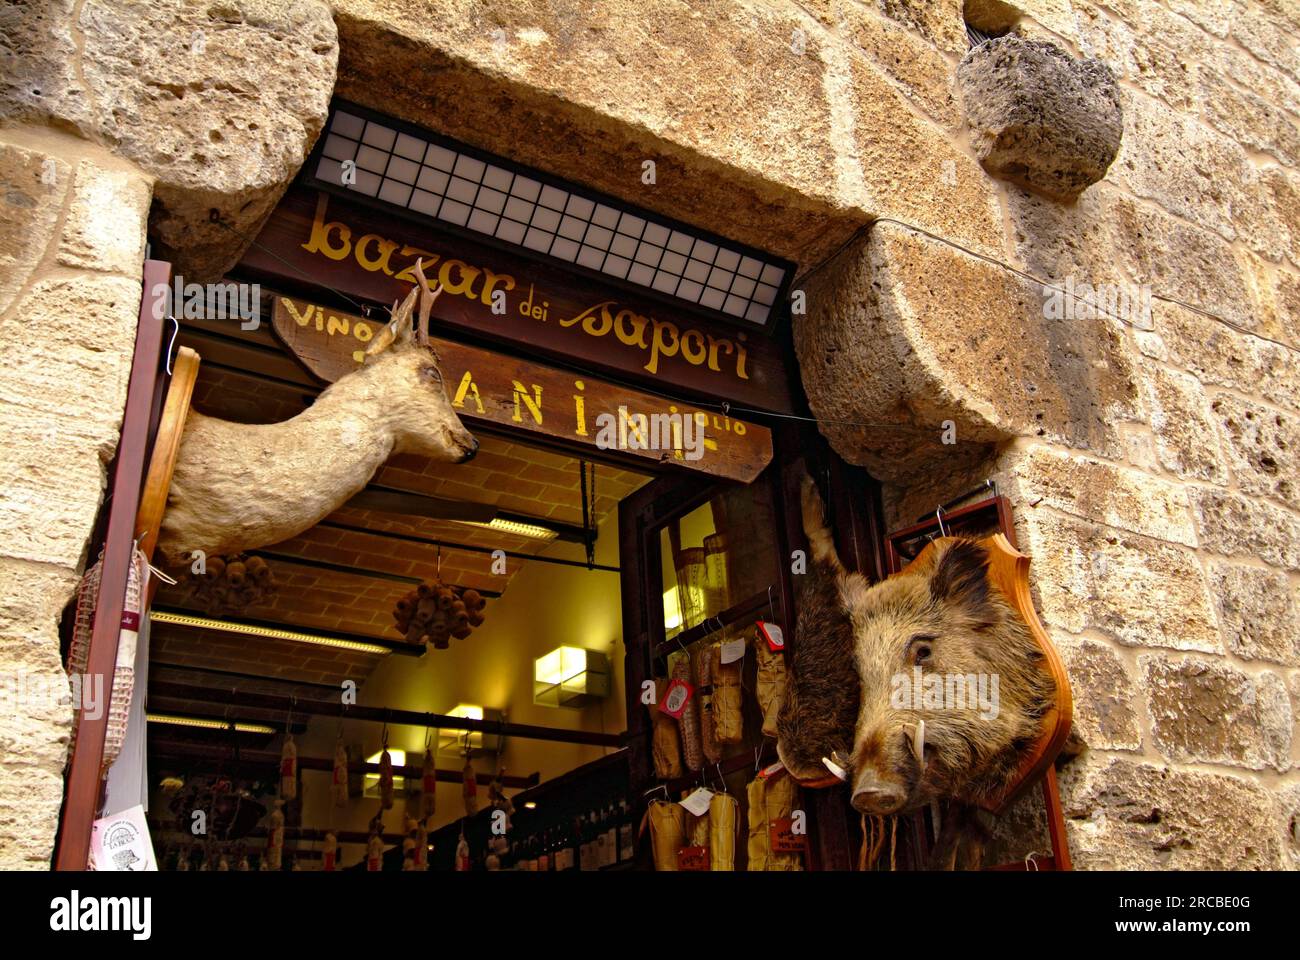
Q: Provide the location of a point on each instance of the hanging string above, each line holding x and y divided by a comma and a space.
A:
588, 493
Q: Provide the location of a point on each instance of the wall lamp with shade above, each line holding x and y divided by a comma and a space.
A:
570, 677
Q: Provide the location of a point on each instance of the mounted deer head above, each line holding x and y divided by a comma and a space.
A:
427, 423
241, 486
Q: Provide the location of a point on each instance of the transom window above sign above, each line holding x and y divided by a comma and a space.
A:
428, 176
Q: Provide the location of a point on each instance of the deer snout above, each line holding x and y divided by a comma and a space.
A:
875, 796
469, 446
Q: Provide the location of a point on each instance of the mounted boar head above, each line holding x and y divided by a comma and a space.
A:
948, 683
402, 361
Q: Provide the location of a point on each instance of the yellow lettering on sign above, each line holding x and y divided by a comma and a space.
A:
417, 254
468, 386
633, 336
320, 234
464, 285
533, 403
336, 324
490, 280
298, 318
661, 344
693, 347
375, 263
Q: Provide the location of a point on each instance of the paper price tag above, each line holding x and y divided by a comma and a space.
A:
772, 634
771, 771
693, 858
121, 842
675, 697
784, 839
733, 650
698, 802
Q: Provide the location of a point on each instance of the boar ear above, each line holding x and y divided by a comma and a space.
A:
960, 579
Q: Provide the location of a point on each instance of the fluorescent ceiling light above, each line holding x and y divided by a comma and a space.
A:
517, 528
204, 724
274, 633
439, 179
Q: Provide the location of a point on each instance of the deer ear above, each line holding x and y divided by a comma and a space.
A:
960, 579
385, 337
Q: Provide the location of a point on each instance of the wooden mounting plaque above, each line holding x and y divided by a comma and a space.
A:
507, 392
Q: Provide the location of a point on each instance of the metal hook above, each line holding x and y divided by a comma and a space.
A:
939, 515
176, 332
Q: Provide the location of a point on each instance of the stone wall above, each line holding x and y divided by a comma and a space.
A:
113, 119
1151, 461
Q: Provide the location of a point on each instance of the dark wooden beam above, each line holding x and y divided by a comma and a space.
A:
334, 708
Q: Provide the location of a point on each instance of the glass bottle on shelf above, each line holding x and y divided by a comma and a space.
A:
611, 836
626, 836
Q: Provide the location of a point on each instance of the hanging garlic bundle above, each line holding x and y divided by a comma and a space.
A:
469, 788
275, 837
329, 852
497, 796
386, 775
667, 831
421, 846
339, 784
724, 821
771, 683
728, 712
408, 846
288, 768
428, 785
462, 854
665, 745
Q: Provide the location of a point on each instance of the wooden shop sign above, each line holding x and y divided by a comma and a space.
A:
495, 295
490, 388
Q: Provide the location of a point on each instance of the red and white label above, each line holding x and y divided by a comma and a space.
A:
676, 697
773, 634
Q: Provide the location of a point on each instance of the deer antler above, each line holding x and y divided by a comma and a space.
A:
427, 298
397, 328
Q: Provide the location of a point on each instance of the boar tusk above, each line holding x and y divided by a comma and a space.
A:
918, 743
834, 768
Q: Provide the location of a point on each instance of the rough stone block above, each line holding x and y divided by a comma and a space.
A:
1205, 711
924, 73
1039, 117
1263, 447
1100, 493
1140, 591
1126, 815
220, 102
33, 185
1259, 612
104, 227
1237, 526
1186, 438
1105, 717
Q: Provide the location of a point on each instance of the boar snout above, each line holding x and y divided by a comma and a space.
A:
877, 795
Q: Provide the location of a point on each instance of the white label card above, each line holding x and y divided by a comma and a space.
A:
733, 650
698, 802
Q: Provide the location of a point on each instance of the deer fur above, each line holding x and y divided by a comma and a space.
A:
241, 486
